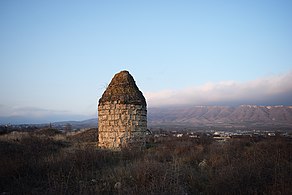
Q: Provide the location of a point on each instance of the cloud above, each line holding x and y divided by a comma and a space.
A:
19, 115
27, 111
273, 90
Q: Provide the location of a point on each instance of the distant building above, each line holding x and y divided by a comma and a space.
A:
122, 113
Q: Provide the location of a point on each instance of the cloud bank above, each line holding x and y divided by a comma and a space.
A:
21, 115
274, 90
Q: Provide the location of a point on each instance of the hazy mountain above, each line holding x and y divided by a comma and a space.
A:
204, 116
275, 117
30, 119
89, 123
222, 116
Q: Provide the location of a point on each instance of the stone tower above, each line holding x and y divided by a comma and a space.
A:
122, 113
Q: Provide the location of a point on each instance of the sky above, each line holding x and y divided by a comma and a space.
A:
58, 56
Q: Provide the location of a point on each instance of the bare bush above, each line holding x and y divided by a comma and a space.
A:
34, 164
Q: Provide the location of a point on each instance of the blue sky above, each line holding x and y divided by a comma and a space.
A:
56, 57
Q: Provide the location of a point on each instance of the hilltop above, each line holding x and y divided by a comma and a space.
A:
222, 116
244, 116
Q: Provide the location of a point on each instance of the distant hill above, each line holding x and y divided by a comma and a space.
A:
222, 116
245, 116
89, 123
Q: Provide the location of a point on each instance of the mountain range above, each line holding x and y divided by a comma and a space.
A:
245, 116
222, 116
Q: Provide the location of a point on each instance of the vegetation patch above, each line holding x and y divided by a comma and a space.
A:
36, 164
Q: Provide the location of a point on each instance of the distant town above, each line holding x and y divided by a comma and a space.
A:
216, 134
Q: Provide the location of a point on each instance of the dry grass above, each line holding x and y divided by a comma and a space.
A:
54, 164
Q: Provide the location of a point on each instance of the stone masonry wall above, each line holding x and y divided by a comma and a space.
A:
121, 124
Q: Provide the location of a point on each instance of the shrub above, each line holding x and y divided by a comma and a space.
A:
36, 164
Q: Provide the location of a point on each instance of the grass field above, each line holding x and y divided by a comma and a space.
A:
49, 162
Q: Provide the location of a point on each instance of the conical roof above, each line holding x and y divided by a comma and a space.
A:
124, 90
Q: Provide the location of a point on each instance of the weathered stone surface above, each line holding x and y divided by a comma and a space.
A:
122, 90
122, 113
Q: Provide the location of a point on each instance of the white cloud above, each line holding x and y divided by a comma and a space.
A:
27, 111
269, 90
19, 115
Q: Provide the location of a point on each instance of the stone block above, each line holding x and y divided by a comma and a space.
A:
119, 120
